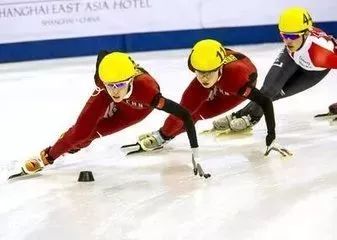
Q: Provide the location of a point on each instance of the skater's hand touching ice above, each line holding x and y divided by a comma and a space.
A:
274, 146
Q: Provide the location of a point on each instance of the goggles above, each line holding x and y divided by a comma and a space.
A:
291, 36
118, 85
205, 74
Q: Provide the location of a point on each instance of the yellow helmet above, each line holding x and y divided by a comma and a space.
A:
294, 19
206, 55
116, 67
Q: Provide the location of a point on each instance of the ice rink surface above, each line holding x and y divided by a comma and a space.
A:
156, 196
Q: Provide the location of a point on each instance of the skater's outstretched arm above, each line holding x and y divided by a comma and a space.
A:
155, 140
180, 112
268, 110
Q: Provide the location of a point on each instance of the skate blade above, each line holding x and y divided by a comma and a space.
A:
131, 148
238, 134
325, 116
214, 132
17, 175
141, 151
228, 132
22, 176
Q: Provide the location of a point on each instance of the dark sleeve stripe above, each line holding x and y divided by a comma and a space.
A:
175, 109
267, 107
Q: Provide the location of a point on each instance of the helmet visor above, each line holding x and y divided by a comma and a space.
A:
206, 74
291, 36
119, 84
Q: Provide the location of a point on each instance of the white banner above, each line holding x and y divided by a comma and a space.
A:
26, 20
30, 20
219, 13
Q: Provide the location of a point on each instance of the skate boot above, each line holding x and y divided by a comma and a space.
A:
151, 141
37, 163
223, 124
233, 123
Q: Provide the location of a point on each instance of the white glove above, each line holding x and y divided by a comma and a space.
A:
274, 146
197, 169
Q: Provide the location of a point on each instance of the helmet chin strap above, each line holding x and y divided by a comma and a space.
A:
304, 38
130, 89
220, 73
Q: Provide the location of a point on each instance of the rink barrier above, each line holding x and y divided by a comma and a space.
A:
59, 48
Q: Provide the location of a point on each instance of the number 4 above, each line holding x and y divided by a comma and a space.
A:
306, 19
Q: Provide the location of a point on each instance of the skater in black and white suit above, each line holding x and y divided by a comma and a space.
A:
308, 56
